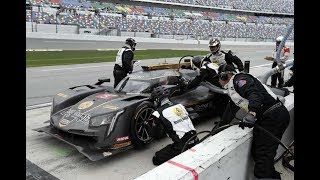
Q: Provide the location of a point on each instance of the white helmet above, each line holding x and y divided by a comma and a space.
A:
279, 39
215, 44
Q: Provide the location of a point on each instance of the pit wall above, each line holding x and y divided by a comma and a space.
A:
225, 156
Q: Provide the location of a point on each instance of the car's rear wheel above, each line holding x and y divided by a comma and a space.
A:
141, 124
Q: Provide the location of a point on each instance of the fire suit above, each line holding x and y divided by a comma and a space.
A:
123, 64
178, 126
208, 72
290, 82
222, 57
284, 56
248, 93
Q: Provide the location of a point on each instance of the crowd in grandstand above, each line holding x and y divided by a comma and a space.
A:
158, 20
282, 6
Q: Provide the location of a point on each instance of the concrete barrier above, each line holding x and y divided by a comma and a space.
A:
223, 156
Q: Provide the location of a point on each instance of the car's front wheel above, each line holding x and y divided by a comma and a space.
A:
141, 124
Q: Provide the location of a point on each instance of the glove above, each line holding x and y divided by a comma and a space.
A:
269, 58
248, 121
184, 82
290, 73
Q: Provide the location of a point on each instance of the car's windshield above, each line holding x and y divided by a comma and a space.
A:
129, 85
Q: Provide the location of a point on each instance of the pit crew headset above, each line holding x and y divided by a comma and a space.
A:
223, 75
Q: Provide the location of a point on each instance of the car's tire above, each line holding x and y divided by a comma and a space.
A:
140, 130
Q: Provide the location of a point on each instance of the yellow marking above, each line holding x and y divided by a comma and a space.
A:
178, 111
85, 105
62, 95
120, 145
111, 107
64, 122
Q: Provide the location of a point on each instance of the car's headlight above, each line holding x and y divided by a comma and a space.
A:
101, 120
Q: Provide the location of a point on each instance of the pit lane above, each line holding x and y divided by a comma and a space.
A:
65, 162
44, 82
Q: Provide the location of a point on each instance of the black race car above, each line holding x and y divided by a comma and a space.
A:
100, 120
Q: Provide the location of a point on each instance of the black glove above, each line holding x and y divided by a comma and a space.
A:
248, 121
184, 82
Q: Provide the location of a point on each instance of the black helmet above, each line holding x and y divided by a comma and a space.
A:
132, 43
196, 62
159, 93
224, 69
214, 43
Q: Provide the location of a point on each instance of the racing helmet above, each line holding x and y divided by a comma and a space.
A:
214, 45
279, 39
224, 70
159, 93
196, 62
132, 43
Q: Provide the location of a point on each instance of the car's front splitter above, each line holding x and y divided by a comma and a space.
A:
82, 144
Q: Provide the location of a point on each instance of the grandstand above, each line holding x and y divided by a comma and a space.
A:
110, 18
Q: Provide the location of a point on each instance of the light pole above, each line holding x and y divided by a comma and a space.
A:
31, 18
99, 22
57, 13
97, 12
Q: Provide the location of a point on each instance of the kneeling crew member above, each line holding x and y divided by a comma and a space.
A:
176, 123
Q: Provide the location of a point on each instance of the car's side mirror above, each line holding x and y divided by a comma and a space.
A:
102, 80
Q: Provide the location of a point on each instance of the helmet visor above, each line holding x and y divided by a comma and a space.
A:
214, 48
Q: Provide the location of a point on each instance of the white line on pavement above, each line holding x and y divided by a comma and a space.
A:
75, 68
266, 64
70, 42
38, 106
261, 65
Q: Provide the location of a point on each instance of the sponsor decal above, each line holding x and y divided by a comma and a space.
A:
63, 122
107, 154
62, 95
85, 105
122, 138
110, 107
202, 107
241, 82
77, 116
120, 145
178, 111
213, 66
106, 96
180, 120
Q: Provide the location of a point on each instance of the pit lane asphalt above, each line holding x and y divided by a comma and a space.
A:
64, 161
44, 82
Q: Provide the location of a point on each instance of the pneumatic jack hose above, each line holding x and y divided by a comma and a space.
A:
216, 129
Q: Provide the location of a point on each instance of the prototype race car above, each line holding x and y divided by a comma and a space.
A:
100, 121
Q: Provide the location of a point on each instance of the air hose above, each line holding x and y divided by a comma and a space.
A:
211, 133
216, 129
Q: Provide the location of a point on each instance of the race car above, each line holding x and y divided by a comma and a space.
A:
100, 120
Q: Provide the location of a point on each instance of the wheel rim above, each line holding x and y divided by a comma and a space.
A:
142, 122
